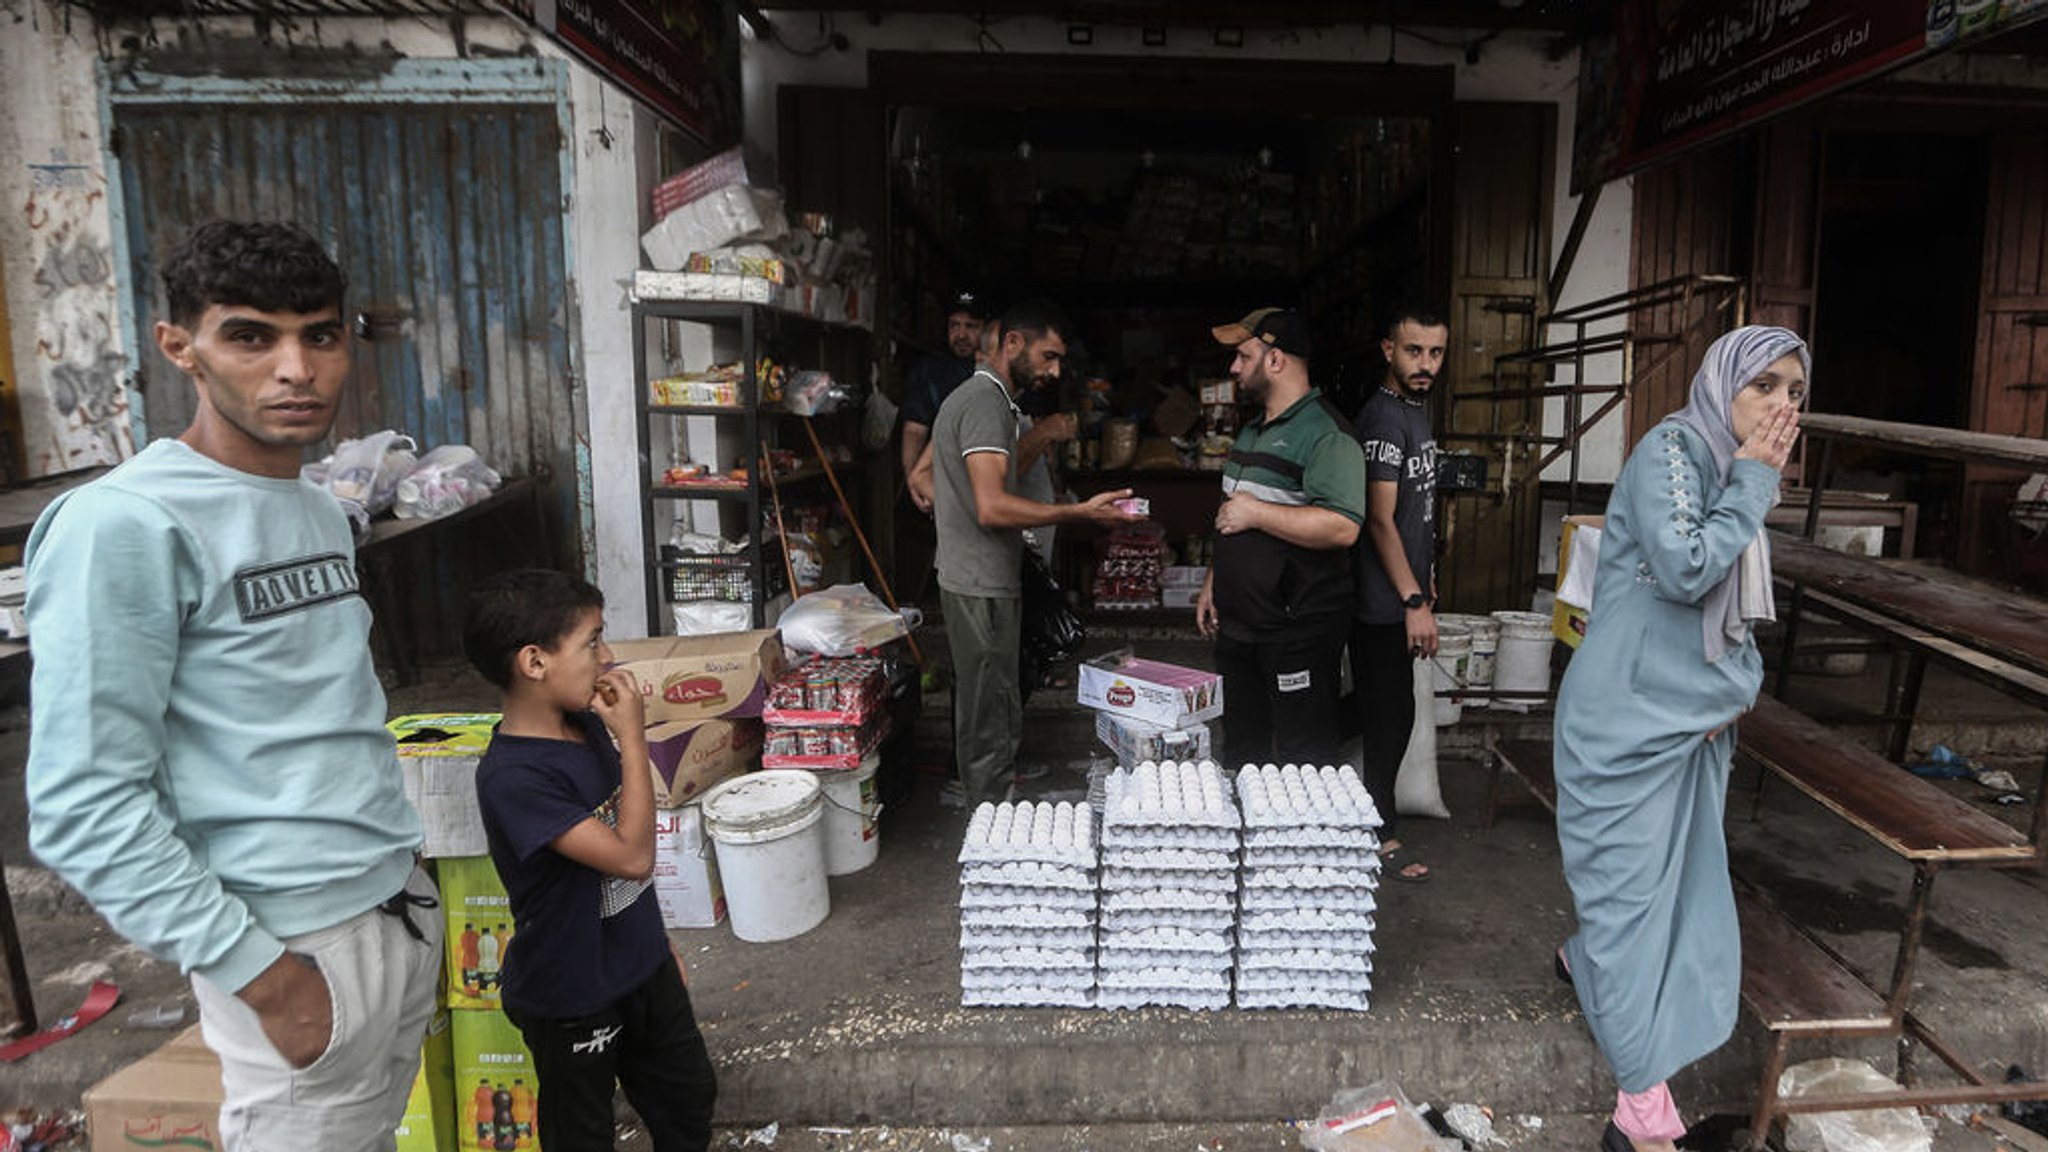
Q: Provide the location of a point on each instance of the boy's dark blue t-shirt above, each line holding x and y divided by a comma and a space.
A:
581, 939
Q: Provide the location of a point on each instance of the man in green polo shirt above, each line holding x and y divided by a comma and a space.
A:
1279, 596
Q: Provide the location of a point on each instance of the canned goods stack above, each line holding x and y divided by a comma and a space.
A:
1169, 887
826, 713
1308, 896
1027, 907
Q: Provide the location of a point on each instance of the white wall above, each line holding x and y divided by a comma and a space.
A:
1512, 67
57, 241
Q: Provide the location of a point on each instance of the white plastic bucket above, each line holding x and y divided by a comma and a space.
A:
1522, 661
1453, 652
1479, 665
852, 810
766, 830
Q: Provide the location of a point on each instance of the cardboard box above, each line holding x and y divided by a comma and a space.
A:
689, 756
497, 1095
1568, 621
1163, 694
1134, 741
437, 758
429, 1121
169, 1098
704, 677
478, 929
686, 881
1181, 584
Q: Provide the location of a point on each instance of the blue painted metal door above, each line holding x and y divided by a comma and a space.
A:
448, 222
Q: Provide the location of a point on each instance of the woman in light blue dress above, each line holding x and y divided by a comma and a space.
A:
1643, 741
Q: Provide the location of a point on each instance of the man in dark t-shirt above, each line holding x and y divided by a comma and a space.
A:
932, 379
1396, 620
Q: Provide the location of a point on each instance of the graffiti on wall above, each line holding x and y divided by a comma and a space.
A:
78, 367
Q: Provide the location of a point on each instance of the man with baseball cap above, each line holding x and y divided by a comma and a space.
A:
931, 380
1279, 595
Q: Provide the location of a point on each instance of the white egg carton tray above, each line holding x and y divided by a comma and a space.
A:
1122, 921
979, 896
1302, 998
1136, 879
1363, 859
1075, 939
1208, 942
1027, 959
1302, 960
1276, 981
1028, 997
1028, 874
1287, 940
1121, 998
1305, 921
998, 979
1114, 959
1281, 901
1027, 916
1300, 879
1185, 839
1172, 794
1169, 900
1166, 978
1171, 859
1026, 832
1295, 795
1352, 839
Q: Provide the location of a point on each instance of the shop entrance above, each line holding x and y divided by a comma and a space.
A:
1901, 226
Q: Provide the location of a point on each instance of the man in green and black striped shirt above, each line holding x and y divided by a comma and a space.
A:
1280, 594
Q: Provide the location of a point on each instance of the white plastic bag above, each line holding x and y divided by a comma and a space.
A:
1865, 1130
843, 620
366, 471
448, 479
1416, 789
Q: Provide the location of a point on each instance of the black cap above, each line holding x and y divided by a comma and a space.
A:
1280, 328
971, 303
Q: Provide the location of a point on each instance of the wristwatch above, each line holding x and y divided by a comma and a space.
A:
1416, 601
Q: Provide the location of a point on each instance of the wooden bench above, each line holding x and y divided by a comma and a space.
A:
1796, 987
1527, 761
1906, 814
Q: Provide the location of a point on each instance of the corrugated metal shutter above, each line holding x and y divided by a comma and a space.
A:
448, 222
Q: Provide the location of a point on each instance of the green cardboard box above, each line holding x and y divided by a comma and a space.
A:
478, 929
497, 1095
429, 1121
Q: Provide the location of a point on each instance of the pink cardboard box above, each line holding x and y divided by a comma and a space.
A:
1163, 694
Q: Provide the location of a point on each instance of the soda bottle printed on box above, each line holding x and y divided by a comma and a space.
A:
469, 953
488, 960
479, 1129
522, 1112
505, 1128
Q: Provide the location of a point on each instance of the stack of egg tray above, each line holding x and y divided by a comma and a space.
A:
1308, 885
1027, 907
1169, 880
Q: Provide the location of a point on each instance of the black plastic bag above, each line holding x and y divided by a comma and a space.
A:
1052, 632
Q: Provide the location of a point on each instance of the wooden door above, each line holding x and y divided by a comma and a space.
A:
2010, 386
1685, 216
1500, 257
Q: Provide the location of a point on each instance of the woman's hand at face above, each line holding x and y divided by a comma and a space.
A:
1772, 441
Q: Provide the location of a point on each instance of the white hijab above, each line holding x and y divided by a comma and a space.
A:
1744, 595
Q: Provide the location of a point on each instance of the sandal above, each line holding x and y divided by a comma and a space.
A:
1562, 970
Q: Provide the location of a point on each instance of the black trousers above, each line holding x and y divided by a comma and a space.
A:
1281, 699
647, 1044
1383, 675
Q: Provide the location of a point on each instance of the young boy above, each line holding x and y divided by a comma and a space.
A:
590, 980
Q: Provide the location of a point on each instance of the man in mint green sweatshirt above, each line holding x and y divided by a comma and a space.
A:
208, 763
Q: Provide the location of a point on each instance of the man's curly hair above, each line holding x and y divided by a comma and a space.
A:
271, 267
